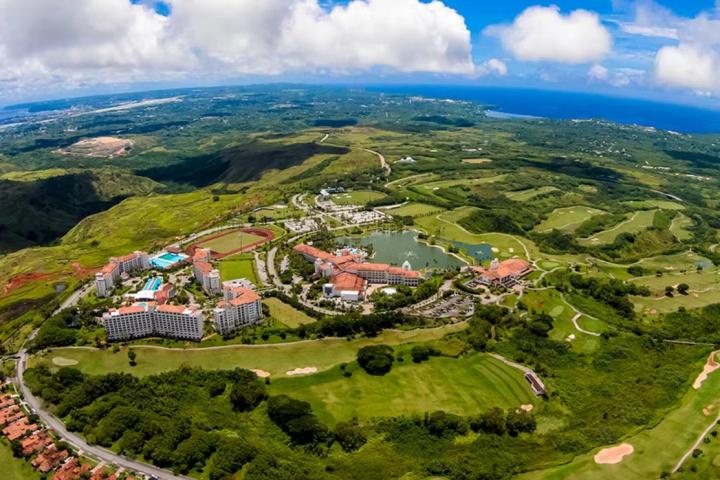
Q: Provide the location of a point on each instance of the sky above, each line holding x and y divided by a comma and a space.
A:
667, 50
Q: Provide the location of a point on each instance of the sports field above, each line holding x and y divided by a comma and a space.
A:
657, 449
287, 314
275, 358
414, 209
635, 222
230, 242
238, 266
360, 197
567, 219
464, 386
525, 195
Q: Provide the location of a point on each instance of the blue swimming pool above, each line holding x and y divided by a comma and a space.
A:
167, 260
153, 284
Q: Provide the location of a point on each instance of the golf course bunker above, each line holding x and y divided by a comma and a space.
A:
301, 371
710, 366
260, 373
64, 362
613, 455
528, 407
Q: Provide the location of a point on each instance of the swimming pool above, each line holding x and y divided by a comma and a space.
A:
167, 260
153, 284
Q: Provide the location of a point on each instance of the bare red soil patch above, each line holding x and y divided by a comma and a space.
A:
19, 281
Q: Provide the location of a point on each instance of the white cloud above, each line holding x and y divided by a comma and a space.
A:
598, 72
494, 66
689, 66
544, 34
86, 41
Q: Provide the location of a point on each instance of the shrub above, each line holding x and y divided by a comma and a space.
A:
443, 424
350, 436
421, 353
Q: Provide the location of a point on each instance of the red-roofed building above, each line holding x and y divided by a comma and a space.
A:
9, 415
348, 286
328, 265
6, 400
108, 276
240, 308
72, 469
148, 319
205, 274
49, 459
503, 274
19, 429
34, 443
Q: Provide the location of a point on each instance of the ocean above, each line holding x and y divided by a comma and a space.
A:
523, 103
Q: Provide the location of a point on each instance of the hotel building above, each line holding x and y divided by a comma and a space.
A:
240, 308
349, 273
503, 274
207, 276
150, 320
108, 276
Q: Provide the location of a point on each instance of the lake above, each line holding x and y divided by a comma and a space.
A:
396, 248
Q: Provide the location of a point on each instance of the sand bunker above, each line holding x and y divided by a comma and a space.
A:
260, 373
613, 455
527, 407
710, 366
476, 161
707, 411
64, 362
302, 371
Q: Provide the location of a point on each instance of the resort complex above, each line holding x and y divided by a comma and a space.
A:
349, 272
205, 274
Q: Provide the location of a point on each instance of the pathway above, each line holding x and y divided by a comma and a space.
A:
697, 443
579, 314
383, 164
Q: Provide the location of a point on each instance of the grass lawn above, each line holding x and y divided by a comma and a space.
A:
360, 197
657, 449
675, 263
414, 209
635, 223
14, 468
464, 386
567, 219
432, 186
274, 358
230, 242
652, 204
529, 194
238, 266
679, 227
287, 314
704, 290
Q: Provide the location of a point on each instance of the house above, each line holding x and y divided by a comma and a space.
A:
49, 459
72, 469
241, 307
503, 274
19, 429
537, 386
10, 415
35, 443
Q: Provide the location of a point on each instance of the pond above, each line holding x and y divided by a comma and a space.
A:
396, 248
480, 251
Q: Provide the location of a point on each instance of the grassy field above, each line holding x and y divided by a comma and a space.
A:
230, 242
654, 204
656, 449
276, 359
636, 222
567, 219
525, 195
14, 468
414, 209
704, 290
360, 197
679, 227
239, 266
464, 386
432, 186
287, 314
674, 263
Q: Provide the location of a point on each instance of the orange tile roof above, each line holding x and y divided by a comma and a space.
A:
312, 251
243, 296
131, 309
109, 268
18, 429
348, 282
49, 458
505, 269
172, 308
204, 267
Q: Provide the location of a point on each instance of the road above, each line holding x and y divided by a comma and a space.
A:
383, 163
78, 442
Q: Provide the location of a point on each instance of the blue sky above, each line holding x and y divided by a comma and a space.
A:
667, 49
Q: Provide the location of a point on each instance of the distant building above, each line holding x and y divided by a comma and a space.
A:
240, 308
149, 320
108, 276
503, 274
205, 274
349, 272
